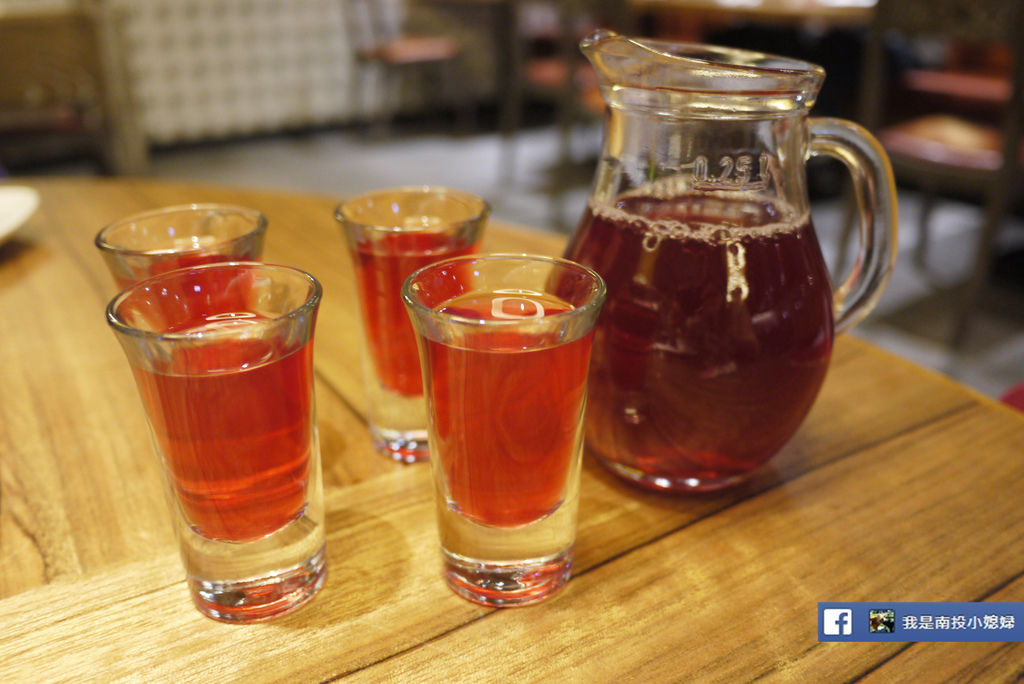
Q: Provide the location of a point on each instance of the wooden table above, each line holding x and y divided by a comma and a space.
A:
901, 486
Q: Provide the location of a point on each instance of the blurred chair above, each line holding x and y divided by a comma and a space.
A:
378, 35
957, 129
1014, 396
550, 68
63, 90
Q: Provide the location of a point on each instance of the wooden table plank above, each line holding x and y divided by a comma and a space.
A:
717, 596
749, 555
763, 561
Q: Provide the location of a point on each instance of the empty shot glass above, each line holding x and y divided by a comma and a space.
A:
153, 242
505, 347
390, 234
223, 357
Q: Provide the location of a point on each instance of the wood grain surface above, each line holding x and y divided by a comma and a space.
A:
901, 486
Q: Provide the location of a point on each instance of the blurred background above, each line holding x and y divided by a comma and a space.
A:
493, 96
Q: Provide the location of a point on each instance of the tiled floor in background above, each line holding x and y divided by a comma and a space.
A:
912, 318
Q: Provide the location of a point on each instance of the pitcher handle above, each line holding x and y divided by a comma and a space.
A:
874, 190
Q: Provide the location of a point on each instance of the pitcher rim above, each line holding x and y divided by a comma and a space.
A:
780, 65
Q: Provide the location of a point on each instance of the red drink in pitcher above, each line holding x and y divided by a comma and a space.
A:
381, 266
506, 413
715, 336
236, 442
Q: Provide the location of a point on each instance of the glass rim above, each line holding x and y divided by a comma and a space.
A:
102, 243
596, 299
482, 207
115, 321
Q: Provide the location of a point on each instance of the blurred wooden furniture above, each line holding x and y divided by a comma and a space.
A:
874, 499
690, 19
550, 68
562, 74
63, 89
379, 38
1014, 396
956, 130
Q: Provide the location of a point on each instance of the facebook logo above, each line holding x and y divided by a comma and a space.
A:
837, 621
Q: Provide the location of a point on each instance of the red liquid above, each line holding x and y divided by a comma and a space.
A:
381, 268
711, 346
506, 415
236, 444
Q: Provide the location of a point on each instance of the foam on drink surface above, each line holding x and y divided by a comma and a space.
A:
660, 211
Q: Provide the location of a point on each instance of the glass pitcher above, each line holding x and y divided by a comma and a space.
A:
720, 316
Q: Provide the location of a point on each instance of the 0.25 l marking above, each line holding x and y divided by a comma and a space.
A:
734, 173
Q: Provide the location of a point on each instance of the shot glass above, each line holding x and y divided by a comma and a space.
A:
504, 342
390, 234
223, 357
153, 242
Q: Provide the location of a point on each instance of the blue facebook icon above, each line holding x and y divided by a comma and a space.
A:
837, 621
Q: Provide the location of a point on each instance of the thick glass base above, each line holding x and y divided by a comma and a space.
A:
398, 423
507, 584
405, 446
260, 598
690, 482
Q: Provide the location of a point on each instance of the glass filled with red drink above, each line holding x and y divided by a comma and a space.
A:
390, 234
505, 344
222, 355
720, 319
153, 242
